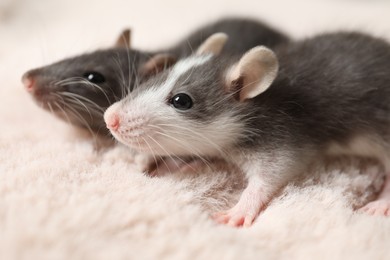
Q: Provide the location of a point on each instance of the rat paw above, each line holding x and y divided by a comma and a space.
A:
249, 206
236, 217
377, 208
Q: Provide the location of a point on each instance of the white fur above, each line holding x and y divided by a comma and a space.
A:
157, 93
164, 131
182, 67
179, 136
201, 139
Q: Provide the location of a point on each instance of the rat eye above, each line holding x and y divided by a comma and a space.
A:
181, 101
94, 77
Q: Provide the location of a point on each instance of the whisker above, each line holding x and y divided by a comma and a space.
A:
77, 114
136, 77
82, 105
59, 82
77, 96
127, 90
71, 80
80, 80
189, 45
154, 156
77, 104
119, 73
233, 93
99, 88
66, 114
167, 154
191, 150
51, 109
220, 150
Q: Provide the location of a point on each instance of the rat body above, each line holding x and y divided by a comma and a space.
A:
244, 34
269, 113
79, 89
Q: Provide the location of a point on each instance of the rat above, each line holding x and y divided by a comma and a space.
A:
269, 112
79, 89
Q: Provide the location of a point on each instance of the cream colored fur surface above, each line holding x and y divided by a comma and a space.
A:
60, 198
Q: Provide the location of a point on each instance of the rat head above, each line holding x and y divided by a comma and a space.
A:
79, 89
198, 106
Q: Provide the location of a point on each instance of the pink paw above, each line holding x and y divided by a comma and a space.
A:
244, 213
234, 218
240, 215
377, 208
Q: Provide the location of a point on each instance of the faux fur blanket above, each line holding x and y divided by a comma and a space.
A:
61, 198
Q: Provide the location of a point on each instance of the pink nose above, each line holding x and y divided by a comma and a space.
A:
28, 82
113, 122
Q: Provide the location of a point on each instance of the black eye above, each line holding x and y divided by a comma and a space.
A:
94, 77
181, 101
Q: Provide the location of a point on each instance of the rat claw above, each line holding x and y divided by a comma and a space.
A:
233, 219
248, 221
250, 204
236, 221
221, 217
377, 208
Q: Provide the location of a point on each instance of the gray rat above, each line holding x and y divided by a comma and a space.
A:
270, 113
79, 89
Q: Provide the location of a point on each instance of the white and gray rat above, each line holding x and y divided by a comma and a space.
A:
269, 113
79, 89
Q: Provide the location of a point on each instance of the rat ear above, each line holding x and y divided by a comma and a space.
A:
124, 39
213, 45
156, 64
253, 74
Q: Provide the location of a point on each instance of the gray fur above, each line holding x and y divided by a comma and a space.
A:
120, 68
332, 87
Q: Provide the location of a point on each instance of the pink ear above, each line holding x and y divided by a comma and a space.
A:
213, 45
156, 64
254, 73
124, 39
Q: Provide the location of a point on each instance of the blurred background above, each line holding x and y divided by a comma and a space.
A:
34, 33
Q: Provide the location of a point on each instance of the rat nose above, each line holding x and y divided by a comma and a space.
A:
113, 122
28, 81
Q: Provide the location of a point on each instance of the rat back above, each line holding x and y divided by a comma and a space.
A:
332, 93
244, 34
332, 88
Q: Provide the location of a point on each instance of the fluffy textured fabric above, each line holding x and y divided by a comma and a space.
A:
60, 198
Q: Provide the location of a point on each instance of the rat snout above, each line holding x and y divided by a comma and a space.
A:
111, 117
112, 121
28, 81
